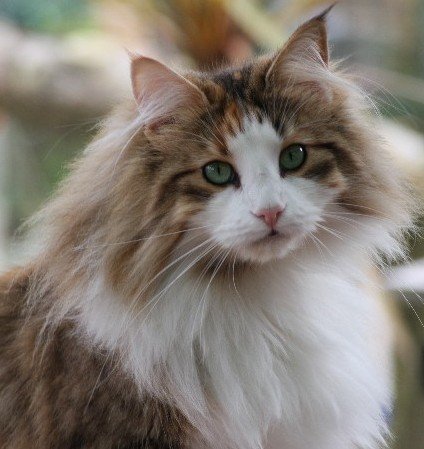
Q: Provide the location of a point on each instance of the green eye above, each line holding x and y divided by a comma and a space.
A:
292, 157
219, 173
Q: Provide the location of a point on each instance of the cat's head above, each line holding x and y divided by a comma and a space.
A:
255, 161
261, 156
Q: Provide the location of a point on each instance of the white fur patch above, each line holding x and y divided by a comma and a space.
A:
286, 348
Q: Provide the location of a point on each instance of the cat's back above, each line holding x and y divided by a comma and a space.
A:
57, 392
16, 335
14, 347
14, 285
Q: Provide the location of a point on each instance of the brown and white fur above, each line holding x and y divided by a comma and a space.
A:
161, 313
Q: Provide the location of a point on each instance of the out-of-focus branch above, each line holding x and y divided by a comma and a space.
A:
53, 81
257, 23
212, 31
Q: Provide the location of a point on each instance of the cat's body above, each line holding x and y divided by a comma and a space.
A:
201, 287
327, 388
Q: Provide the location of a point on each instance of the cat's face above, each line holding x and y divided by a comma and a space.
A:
274, 191
255, 162
263, 155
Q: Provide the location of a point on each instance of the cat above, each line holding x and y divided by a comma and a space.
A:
200, 279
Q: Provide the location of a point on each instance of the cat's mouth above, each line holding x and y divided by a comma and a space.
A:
272, 237
276, 236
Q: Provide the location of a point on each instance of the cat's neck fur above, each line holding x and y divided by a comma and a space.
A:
250, 349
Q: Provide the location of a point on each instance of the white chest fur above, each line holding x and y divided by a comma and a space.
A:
282, 349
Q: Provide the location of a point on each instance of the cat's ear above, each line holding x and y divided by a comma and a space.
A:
307, 47
161, 93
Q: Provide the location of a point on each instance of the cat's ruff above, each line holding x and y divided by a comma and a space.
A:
296, 356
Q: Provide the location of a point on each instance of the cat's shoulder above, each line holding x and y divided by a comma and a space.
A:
14, 285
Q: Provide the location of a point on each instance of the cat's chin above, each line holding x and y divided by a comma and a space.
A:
272, 246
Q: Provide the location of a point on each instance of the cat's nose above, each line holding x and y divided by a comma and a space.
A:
270, 215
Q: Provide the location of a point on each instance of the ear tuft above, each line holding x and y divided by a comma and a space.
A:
307, 47
161, 93
323, 15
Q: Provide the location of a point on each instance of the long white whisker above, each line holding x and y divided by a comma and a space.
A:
324, 246
359, 206
200, 278
234, 277
156, 298
203, 300
317, 245
330, 231
412, 308
160, 273
154, 236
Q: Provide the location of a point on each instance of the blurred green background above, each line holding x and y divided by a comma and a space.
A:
63, 66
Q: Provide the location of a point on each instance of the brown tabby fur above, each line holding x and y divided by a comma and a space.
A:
67, 396
58, 392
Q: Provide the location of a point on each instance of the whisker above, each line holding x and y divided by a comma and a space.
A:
412, 308
160, 273
325, 247
234, 280
203, 300
208, 127
360, 206
330, 231
156, 298
399, 107
318, 245
418, 296
199, 280
154, 236
123, 150
347, 220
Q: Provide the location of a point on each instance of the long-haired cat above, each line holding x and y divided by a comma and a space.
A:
200, 283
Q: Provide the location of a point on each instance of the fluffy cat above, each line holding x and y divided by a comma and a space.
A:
200, 281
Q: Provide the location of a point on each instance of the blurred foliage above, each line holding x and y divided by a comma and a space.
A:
58, 16
214, 31
37, 164
203, 27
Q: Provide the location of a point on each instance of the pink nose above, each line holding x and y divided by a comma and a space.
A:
270, 215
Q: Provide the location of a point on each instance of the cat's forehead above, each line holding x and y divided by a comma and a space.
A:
248, 111
239, 94
237, 82
244, 84
255, 147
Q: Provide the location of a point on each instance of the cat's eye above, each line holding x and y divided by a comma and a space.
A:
219, 173
292, 157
